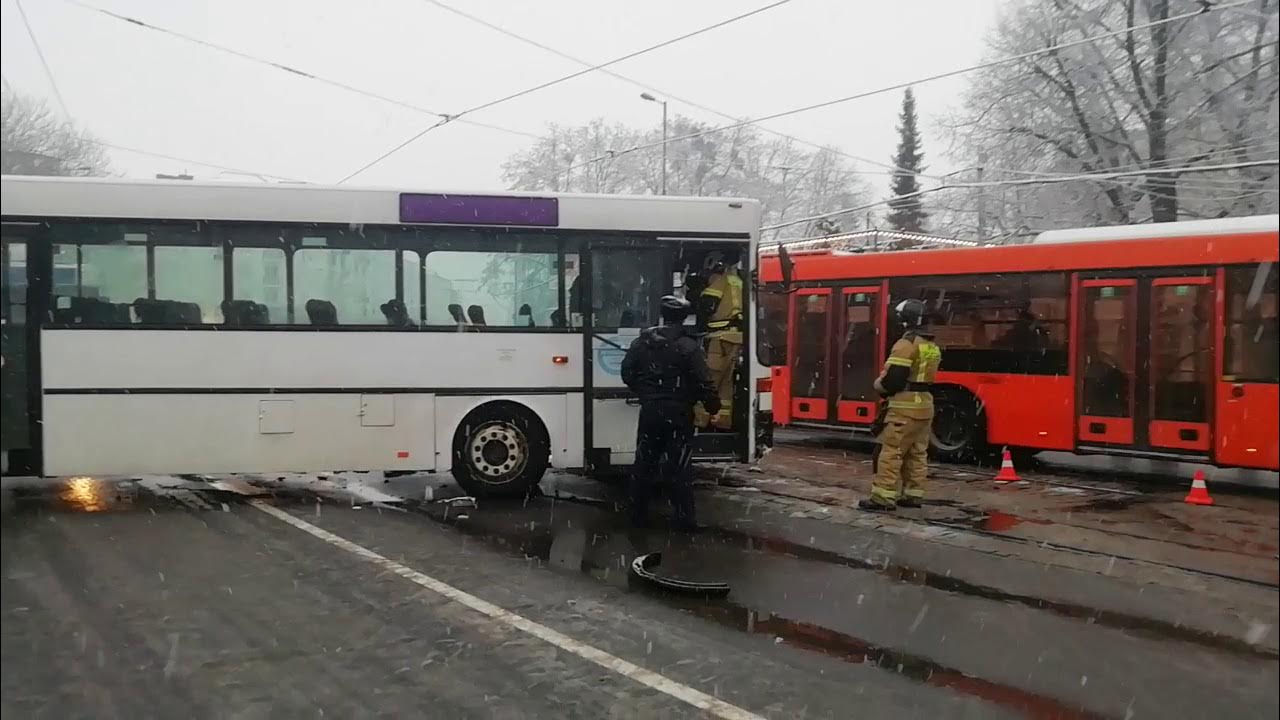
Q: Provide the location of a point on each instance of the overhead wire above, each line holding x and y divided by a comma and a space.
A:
1256, 144
53, 83
1028, 181
287, 68
1204, 9
667, 94
215, 166
557, 81
48, 73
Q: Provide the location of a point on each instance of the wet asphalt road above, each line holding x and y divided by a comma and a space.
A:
262, 598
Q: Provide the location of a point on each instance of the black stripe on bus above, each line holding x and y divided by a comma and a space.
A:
283, 328
346, 390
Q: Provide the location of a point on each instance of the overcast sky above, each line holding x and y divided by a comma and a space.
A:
139, 88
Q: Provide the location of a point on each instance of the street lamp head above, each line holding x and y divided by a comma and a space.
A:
647, 96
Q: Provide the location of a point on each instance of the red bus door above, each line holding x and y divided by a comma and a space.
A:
1107, 361
1146, 363
1181, 364
809, 343
859, 360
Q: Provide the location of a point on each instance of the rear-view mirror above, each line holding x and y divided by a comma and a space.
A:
788, 267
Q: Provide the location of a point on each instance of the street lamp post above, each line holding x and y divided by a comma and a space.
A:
650, 98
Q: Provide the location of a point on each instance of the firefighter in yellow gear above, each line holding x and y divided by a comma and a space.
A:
720, 315
904, 440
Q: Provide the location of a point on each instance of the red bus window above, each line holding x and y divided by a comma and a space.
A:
1253, 332
1108, 353
858, 353
994, 324
1181, 352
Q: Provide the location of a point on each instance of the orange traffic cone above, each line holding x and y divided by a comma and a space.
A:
1007, 473
1199, 494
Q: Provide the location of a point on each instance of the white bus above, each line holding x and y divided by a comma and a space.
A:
185, 327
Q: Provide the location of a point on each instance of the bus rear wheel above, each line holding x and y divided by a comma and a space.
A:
500, 450
959, 432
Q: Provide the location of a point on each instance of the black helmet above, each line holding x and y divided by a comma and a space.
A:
675, 309
911, 313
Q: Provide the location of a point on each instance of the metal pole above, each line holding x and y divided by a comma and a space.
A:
664, 147
982, 199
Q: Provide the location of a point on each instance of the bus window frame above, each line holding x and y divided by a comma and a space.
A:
423, 239
1063, 367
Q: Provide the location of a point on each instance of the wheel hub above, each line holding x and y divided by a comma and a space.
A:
498, 451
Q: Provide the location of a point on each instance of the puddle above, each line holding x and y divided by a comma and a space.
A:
76, 495
582, 539
991, 521
566, 536
850, 649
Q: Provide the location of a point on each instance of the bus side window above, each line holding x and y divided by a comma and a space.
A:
1253, 325
341, 286
995, 324
188, 286
626, 284
491, 288
257, 287
99, 283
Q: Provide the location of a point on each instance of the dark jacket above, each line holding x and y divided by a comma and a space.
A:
667, 364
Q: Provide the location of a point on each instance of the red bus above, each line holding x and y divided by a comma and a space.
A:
1153, 341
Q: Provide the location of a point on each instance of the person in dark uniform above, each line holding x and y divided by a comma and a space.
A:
667, 369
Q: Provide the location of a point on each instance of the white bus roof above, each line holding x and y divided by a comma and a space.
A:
1153, 231
188, 200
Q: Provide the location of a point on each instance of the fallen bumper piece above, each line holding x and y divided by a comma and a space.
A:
642, 568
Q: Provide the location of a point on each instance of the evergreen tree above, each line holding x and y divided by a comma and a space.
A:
906, 214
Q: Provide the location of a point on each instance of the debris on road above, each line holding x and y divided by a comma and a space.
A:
642, 568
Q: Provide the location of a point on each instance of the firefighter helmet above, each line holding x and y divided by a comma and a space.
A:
675, 309
911, 313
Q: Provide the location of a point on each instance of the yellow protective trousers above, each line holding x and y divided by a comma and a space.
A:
904, 458
723, 350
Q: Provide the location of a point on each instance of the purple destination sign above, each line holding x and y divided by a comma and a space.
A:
479, 210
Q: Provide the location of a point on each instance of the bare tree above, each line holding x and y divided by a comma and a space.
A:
789, 182
1197, 91
35, 142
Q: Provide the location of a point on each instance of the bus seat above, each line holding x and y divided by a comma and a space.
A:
627, 319
237, 312
66, 314
476, 313
150, 312
184, 313
526, 311
117, 313
96, 311
396, 313
322, 312
557, 319
455, 312
259, 315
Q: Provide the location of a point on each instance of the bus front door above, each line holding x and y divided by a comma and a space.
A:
811, 350
1146, 364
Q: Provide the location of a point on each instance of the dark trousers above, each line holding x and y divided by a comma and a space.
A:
663, 451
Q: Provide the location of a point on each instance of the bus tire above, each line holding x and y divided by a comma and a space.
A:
500, 449
959, 432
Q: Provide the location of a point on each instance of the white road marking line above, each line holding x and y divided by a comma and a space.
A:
661, 683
